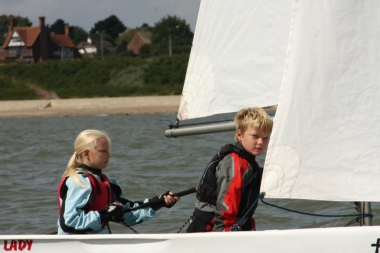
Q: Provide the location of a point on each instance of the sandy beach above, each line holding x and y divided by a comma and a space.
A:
89, 106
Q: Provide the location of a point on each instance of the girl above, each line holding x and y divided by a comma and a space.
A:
88, 199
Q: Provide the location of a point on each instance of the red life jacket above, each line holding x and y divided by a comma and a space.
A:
101, 190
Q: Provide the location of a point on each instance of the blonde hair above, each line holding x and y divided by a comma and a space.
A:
253, 118
86, 140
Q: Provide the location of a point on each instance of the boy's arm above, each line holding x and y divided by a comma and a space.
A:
228, 194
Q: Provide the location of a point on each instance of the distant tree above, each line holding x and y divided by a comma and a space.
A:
121, 46
78, 34
180, 33
145, 25
58, 27
147, 50
4, 25
97, 37
111, 27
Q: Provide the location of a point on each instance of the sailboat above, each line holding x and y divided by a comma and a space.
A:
317, 61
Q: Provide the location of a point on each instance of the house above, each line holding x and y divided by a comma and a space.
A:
89, 48
86, 48
34, 44
64, 47
140, 39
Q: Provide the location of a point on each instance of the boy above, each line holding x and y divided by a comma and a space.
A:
231, 181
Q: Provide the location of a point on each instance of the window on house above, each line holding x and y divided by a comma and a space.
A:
14, 51
15, 40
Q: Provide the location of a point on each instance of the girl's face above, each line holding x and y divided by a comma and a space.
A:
254, 142
98, 157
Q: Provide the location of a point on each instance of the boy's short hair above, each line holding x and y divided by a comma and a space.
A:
253, 118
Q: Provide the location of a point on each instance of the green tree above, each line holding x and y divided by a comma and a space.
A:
78, 34
111, 27
179, 31
4, 25
58, 27
121, 46
147, 50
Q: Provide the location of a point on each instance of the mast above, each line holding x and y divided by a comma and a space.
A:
200, 129
209, 127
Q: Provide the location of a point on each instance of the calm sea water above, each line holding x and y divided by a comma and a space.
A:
34, 153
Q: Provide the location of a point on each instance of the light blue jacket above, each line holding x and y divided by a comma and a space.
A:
75, 216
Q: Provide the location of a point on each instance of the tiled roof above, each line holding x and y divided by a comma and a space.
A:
140, 38
146, 37
105, 43
27, 34
62, 40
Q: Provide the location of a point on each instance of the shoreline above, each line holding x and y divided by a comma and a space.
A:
89, 106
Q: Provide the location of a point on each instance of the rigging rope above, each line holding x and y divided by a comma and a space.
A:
357, 219
189, 220
318, 215
237, 227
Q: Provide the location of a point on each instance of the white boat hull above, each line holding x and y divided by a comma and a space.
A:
316, 240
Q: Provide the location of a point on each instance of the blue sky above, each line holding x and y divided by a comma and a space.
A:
85, 13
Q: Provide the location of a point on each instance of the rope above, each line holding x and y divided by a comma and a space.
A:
132, 229
189, 220
237, 227
357, 219
109, 228
318, 215
180, 229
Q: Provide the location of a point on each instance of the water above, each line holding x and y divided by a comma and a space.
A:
34, 153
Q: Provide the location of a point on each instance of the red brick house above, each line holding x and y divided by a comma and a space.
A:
34, 44
138, 41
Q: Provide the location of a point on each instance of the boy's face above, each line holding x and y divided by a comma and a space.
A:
253, 141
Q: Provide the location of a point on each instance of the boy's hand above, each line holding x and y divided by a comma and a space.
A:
169, 201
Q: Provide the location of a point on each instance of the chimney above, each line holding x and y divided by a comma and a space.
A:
12, 23
67, 30
44, 50
42, 22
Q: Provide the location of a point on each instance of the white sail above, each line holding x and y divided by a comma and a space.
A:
326, 142
237, 58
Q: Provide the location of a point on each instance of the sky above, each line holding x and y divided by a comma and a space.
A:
85, 13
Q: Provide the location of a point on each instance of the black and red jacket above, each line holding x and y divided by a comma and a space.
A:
228, 188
